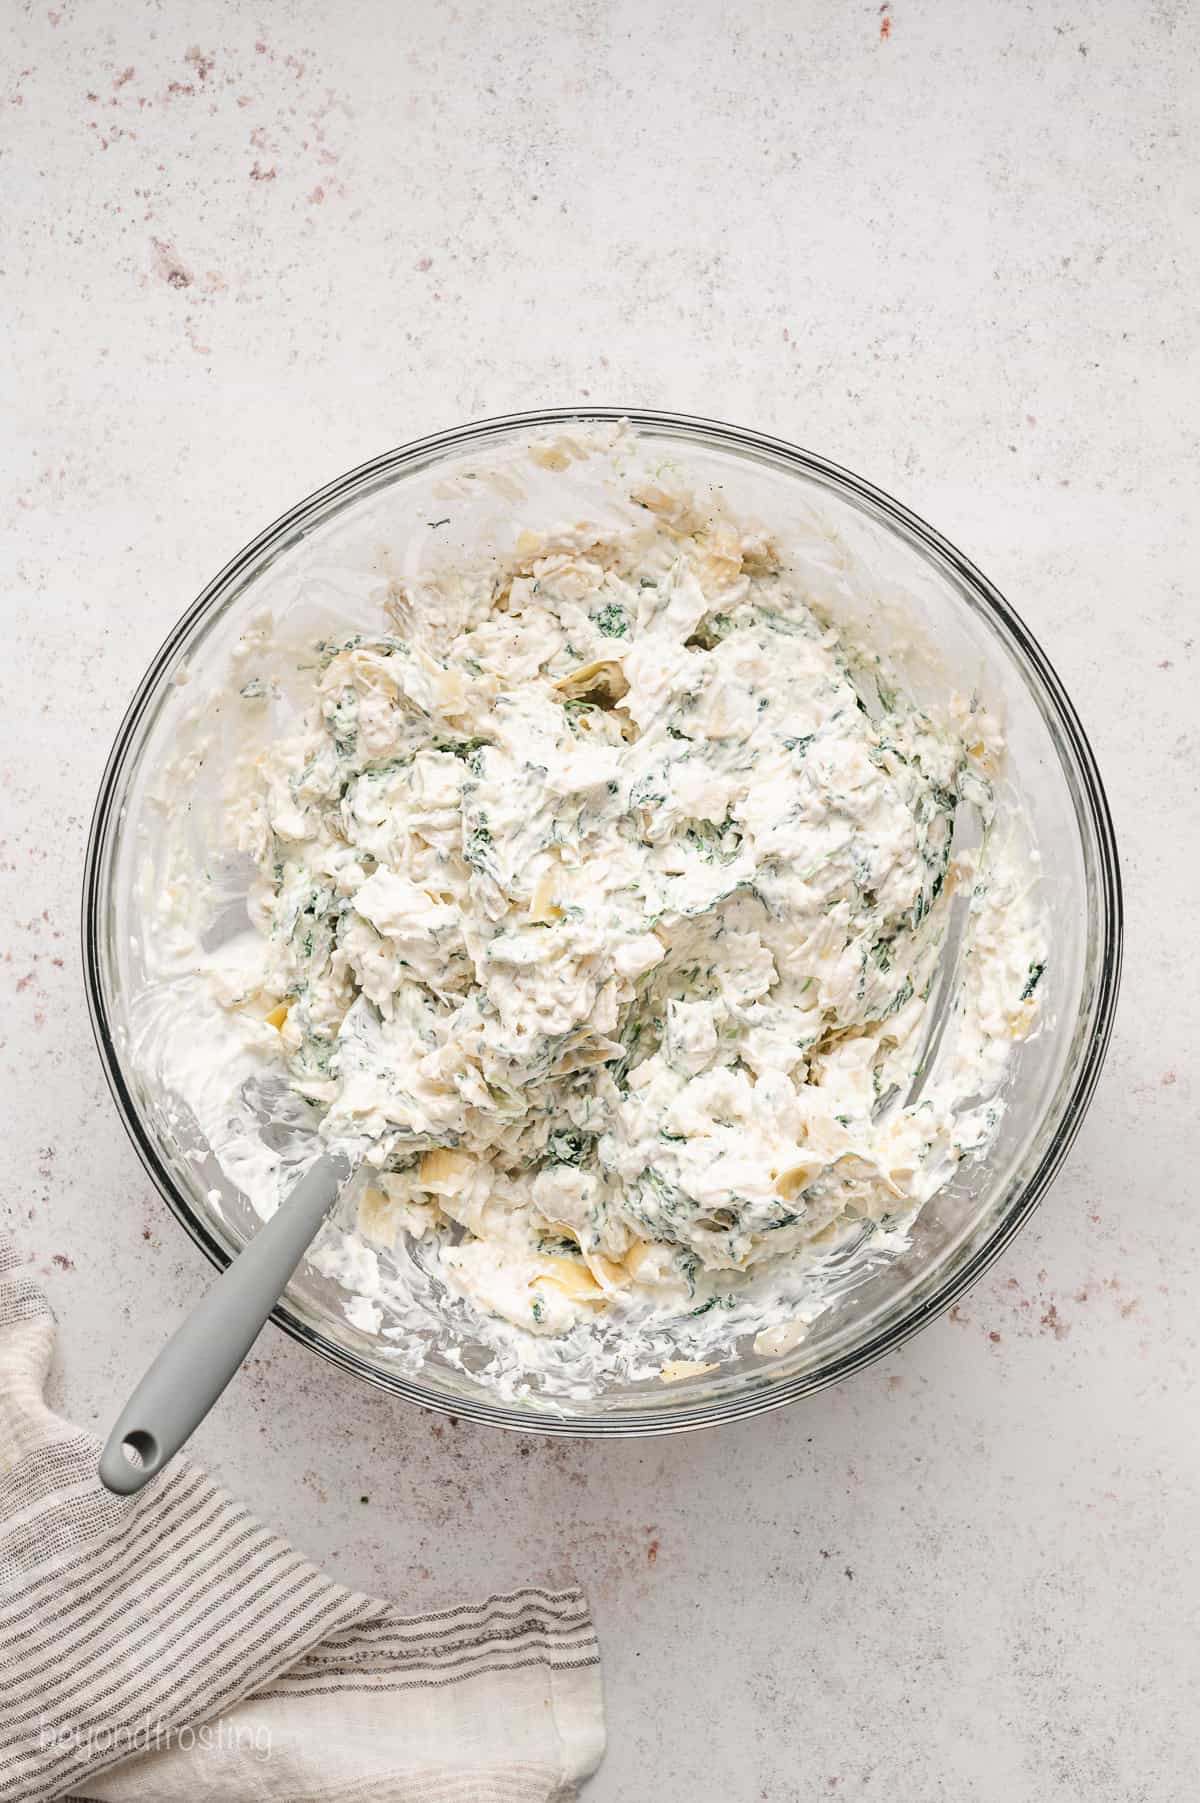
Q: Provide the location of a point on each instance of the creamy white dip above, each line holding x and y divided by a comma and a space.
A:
605, 899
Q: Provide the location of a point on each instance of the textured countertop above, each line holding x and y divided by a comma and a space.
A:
952, 246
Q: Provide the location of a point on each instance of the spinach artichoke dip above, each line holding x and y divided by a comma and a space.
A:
604, 892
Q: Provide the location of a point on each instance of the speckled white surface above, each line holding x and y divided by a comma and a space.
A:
952, 246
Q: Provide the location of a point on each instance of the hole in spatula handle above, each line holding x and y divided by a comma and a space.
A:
140, 1449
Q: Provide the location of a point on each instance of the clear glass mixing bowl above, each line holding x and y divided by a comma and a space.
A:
877, 562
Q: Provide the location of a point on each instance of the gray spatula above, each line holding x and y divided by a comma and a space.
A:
202, 1355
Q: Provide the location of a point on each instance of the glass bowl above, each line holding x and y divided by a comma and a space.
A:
869, 559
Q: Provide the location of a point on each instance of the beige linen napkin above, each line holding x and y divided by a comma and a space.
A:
168, 1646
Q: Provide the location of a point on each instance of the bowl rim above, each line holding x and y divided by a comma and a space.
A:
757, 1398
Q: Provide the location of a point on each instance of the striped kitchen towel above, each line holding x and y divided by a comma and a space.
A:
168, 1646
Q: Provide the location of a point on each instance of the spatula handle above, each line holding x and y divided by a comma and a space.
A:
204, 1352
